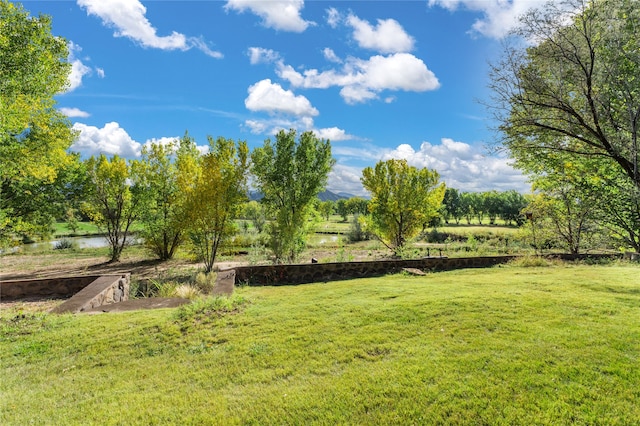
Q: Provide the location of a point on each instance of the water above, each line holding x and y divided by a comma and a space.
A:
80, 242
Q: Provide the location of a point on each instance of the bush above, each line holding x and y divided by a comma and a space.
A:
205, 282
356, 232
65, 244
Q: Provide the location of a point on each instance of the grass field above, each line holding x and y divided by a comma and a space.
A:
508, 345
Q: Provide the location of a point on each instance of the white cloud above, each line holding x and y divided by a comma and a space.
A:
334, 134
499, 16
330, 55
272, 98
387, 37
78, 69
343, 178
74, 112
128, 19
259, 55
100, 72
277, 14
110, 139
462, 166
333, 17
362, 80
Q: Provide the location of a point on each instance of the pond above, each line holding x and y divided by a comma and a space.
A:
96, 241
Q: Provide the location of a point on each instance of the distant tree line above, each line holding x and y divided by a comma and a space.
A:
491, 205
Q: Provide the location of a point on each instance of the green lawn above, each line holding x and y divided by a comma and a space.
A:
508, 345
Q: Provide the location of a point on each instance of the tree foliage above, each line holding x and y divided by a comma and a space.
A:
34, 135
215, 196
111, 202
403, 200
158, 176
573, 98
291, 174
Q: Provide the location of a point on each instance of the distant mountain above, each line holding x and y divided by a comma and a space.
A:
330, 196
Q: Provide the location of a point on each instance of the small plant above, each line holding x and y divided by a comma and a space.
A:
186, 291
204, 282
64, 244
342, 256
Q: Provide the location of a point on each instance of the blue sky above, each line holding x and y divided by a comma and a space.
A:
380, 79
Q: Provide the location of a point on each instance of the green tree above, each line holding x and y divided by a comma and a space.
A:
291, 175
512, 204
568, 216
342, 209
403, 200
216, 197
254, 211
326, 208
452, 205
34, 135
157, 176
357, 205
111, 202
466, 206
575, 95
477, 204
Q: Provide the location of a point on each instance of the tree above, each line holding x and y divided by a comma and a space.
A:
569, 216
111, 202
357, 205
34, 135
512, 204
216, 197
575, 94
466, 206
291, 175
254, 211
478, 207
403, 200
342, 209
157, 176
452, 205
326, 208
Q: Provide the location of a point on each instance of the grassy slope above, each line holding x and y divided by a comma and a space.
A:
499, 346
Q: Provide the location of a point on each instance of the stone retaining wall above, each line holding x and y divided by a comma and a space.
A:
105, 290
322, 272
60, 287
85, 292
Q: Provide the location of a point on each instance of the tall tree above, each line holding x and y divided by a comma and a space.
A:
575, 93
290, 174
403, 200
452, 205
326, 208
111, 202
215, 197
157, 174
34, 136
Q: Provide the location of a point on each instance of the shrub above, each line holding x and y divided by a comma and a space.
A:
204, 282
64, 244
356, 231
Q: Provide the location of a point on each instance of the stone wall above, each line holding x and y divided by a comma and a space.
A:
46, 287
105, 290
321, 272
84, 292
